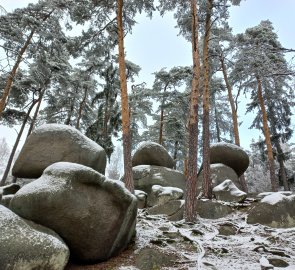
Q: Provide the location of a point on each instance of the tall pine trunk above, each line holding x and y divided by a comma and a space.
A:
190, 213
10, 78
283, 175
233, 114
162, 116
81, 107
266, 133
128, 176
9, 163
207, 183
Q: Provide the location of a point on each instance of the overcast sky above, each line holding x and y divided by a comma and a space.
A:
155, 43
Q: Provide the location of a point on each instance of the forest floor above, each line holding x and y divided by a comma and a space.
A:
224, 244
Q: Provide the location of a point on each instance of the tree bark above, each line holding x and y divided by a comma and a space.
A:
267, 137
283, 176
190, 213
234, 115
207, 185
217, 125
37, 110
9, 163
128, 175
12, 74
162, 116
81, 107
176, 144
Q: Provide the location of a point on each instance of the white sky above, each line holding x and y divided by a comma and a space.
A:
155, 43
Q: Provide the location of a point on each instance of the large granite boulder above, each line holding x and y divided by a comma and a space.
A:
27, 245
228, 192
173, 209
161, 195
150, 153
145, 176
231, 155
211, 209
219, 173
275, 210
52, 143
95, 216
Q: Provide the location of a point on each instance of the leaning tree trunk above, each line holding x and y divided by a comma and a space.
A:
3, 180
12, 74
9, 81
234, 115
207, 185
266, 133
128, 176
190, 213
36, 111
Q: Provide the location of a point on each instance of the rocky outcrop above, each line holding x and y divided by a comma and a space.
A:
275, 210
6, 199
95, 216
228, 192
212, 209
145, 176
141, 198
150, 153
26, 245
219, 173
52, 143
173, 209
230, 155
161, 195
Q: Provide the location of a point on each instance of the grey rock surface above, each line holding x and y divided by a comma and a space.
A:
145, 176
275, 210
219, 173
95, 216
52, 143
27, 245
228, 192
151, 153
212, 209
231, 155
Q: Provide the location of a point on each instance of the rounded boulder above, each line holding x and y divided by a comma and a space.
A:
151, 153
230, 155
27, 245
95, 216
219, 173
51, 143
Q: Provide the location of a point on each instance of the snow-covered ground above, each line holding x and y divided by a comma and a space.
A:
224, 244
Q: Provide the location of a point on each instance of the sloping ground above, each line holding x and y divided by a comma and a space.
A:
228, 243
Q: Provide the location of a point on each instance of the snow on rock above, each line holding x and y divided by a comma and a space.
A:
275, 210
27, 245
141, 198
228, 192
52, 143
264, 263
264, 194
151, 153
230, 155
95, 216
145, 176
161, 195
